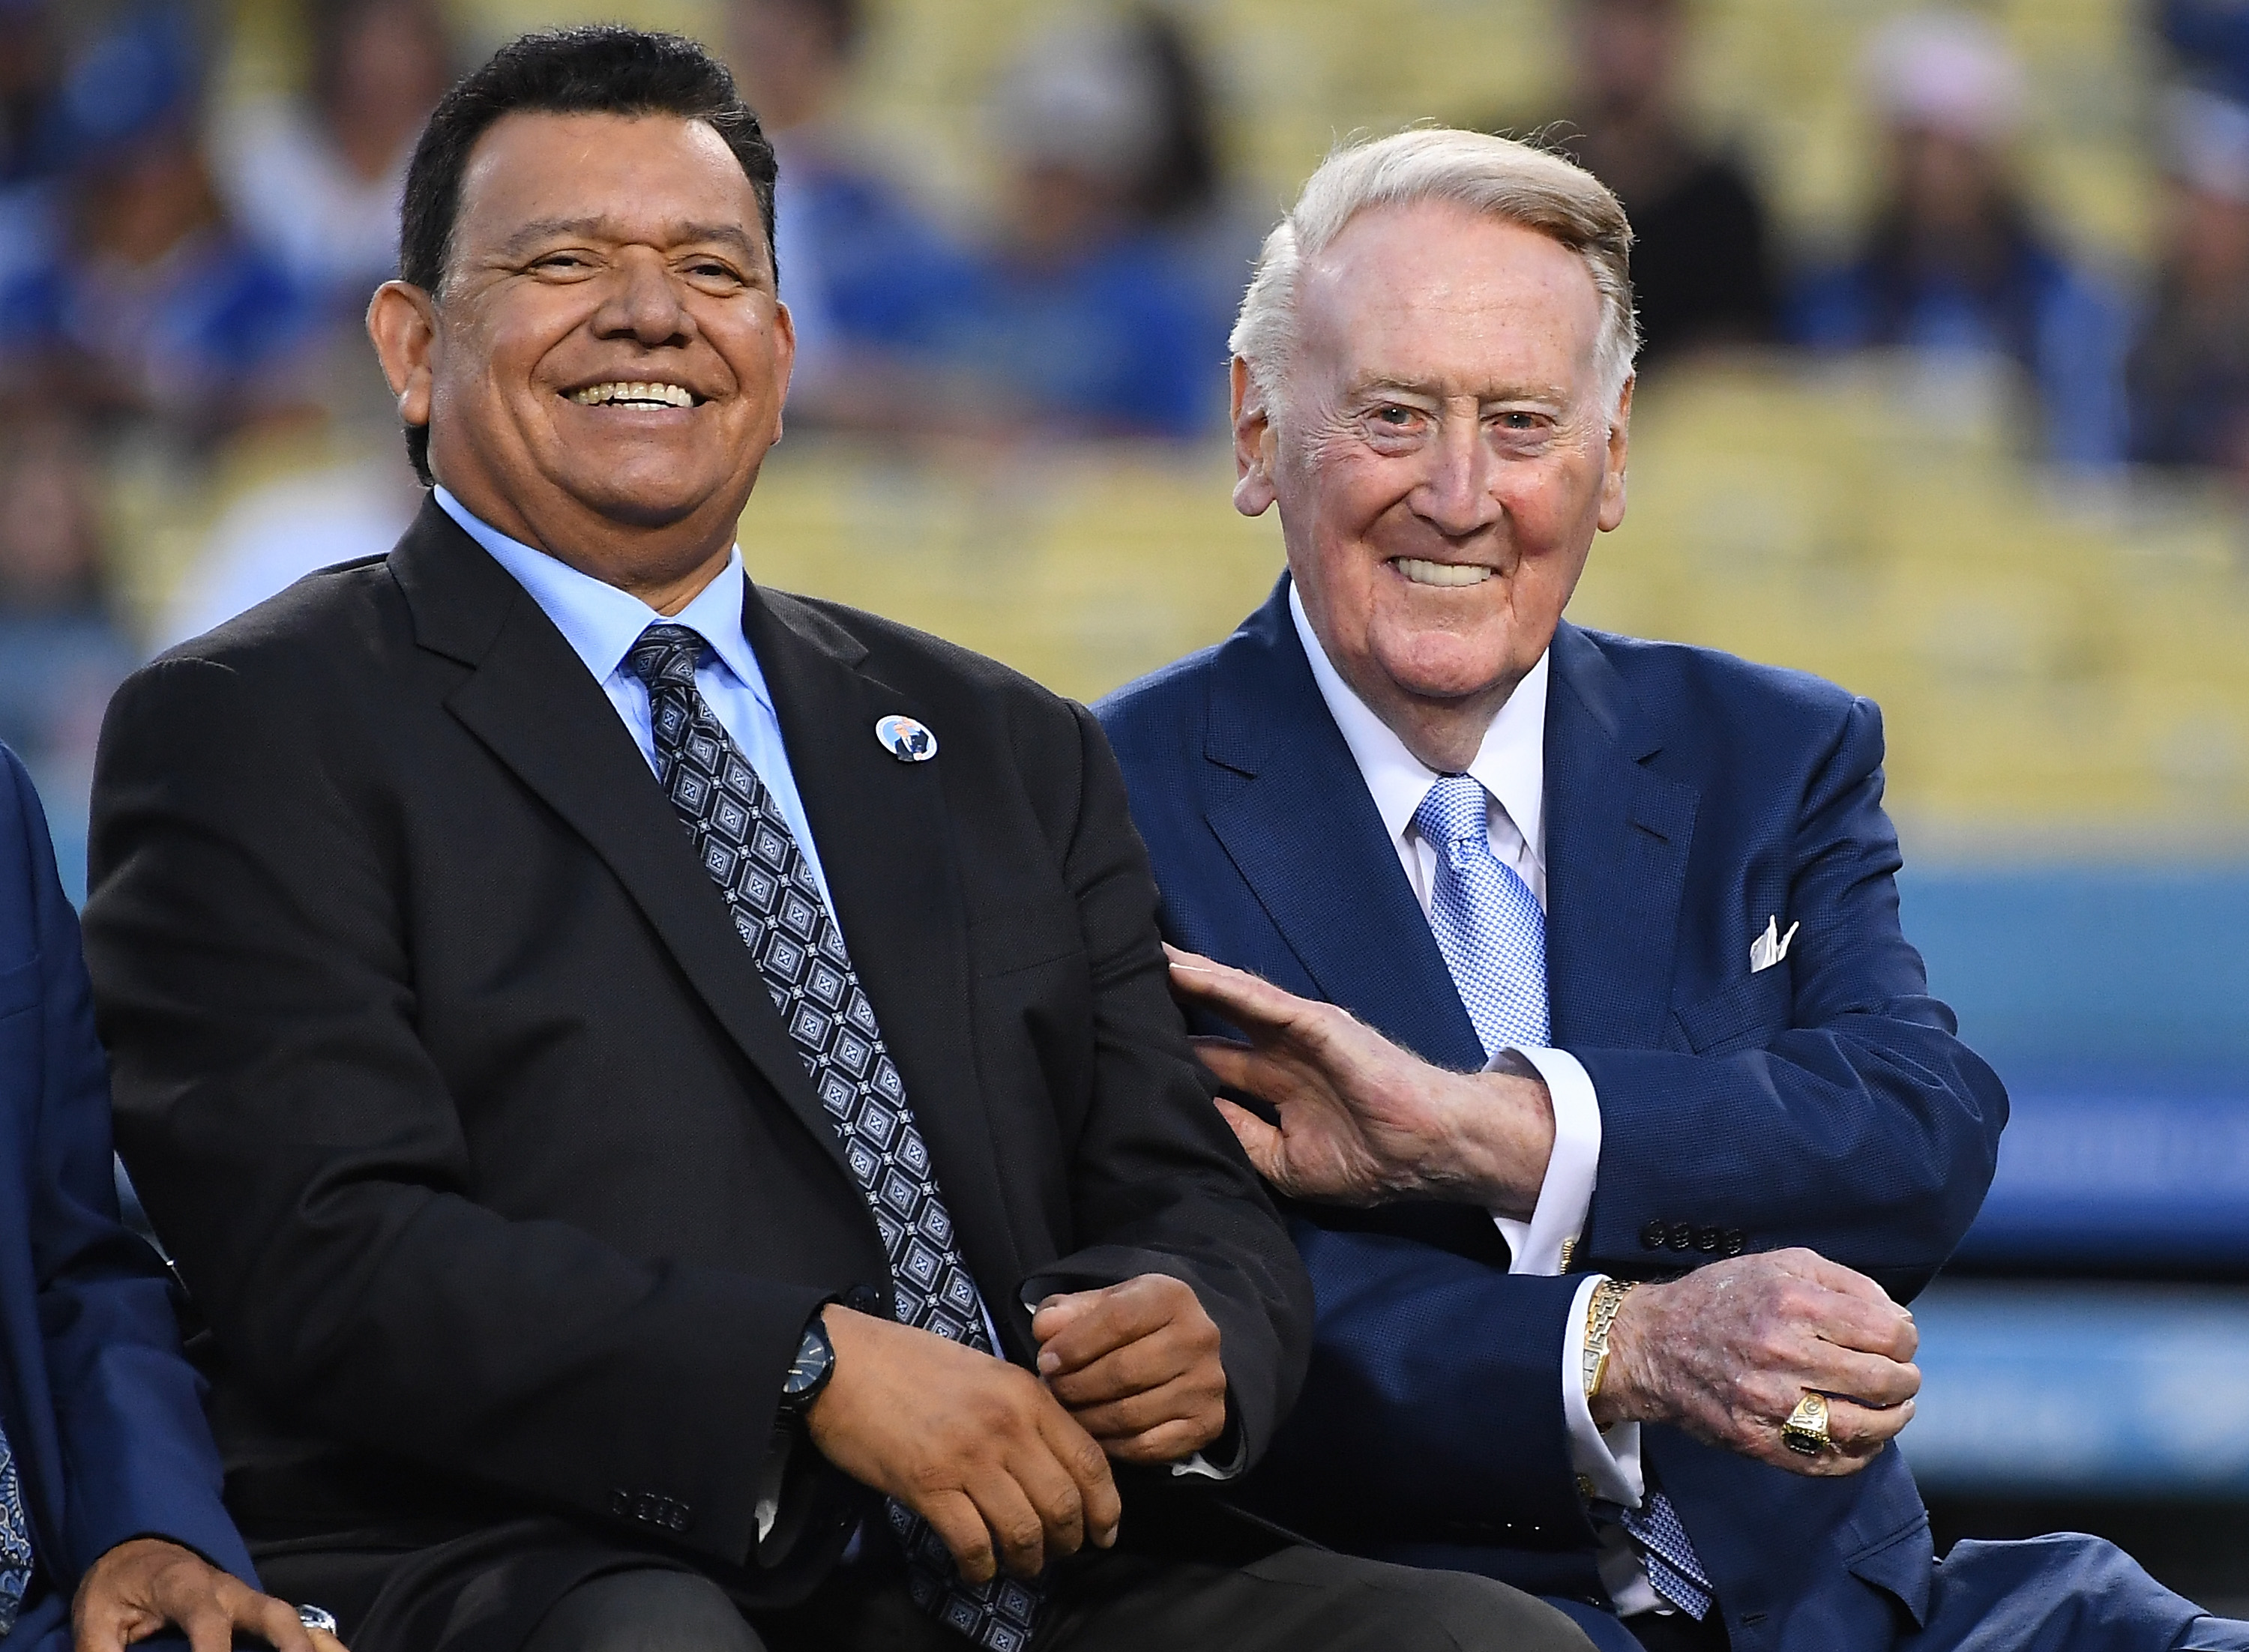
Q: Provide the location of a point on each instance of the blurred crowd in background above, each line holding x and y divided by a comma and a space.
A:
182, 273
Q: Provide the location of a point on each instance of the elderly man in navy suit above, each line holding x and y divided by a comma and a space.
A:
1618, 1118
111, 1527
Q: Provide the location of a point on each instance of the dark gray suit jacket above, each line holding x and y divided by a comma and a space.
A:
468, 1118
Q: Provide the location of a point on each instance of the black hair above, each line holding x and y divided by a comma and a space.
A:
599, 69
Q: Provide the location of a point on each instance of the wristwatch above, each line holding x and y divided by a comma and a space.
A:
1600, 1314
809, 1371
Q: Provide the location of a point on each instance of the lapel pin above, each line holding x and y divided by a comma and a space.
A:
905, 739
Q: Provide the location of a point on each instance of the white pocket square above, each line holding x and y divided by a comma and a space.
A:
1771, 947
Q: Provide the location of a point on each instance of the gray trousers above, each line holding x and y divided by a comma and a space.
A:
1298, 1600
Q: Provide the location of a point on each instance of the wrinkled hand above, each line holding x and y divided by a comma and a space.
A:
1727, 1351
139, 1586
974, 1445
1138, 1366
1362, 1120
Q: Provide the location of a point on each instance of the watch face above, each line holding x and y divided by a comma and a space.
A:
814, 1359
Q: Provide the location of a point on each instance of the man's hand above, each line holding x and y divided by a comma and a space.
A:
1727, 1351
973, 1444
1362, 1120
141, 1585
1138, 1366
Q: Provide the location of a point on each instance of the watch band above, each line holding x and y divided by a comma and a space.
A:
1600, 1314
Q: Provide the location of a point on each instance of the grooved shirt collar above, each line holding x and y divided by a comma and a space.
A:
601, 623
1511, 761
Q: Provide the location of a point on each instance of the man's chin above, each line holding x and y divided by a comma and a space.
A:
1444, 667
651, 504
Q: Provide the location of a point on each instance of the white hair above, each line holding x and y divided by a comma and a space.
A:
1508, 180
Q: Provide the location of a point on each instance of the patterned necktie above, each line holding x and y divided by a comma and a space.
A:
15, 1542
745, 843
1488, 926
1492, 933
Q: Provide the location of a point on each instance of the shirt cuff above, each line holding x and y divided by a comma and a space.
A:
1607, 1460
1567, 1192
1201, 1467
773, 1473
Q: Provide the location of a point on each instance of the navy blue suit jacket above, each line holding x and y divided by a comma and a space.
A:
1825, 1102
103, 1414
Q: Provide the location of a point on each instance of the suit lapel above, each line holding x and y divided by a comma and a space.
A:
1617, 839
1282, 792
884, 833
532, 703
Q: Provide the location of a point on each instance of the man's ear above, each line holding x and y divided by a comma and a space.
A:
1253, 444
1613, 463
403, 324
784, 361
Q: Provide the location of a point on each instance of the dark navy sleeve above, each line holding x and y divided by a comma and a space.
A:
136, 1454
1825, 1102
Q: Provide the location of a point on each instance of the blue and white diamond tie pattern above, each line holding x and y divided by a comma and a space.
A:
1488, 926
1673, 1567
1492, 933
15, 1542
746, 845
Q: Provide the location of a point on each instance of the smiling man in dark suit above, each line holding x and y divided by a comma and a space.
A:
665, 1090
1612, 1094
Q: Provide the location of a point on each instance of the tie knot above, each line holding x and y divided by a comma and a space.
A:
1457, 810
666, 656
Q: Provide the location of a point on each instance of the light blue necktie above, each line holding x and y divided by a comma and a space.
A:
15, 1542
1489, 925
1492, 932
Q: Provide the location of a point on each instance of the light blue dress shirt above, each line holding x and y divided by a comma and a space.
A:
601, 623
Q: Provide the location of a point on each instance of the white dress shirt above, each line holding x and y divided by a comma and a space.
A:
1511, 764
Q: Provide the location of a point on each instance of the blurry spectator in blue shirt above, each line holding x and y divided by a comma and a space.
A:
62, 651
145, 300
1090, 302
316, 179
1954, 264
872, 283
2189, 371
2210, 40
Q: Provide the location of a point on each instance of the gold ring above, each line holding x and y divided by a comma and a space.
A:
1806, 1431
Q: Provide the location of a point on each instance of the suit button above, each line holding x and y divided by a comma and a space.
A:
621, 1503
1652, 1236
865, 1298
1706, 1240
1737, 1242
1682, 1236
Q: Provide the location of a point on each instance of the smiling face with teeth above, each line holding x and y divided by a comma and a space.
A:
603, 369
1444, 451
